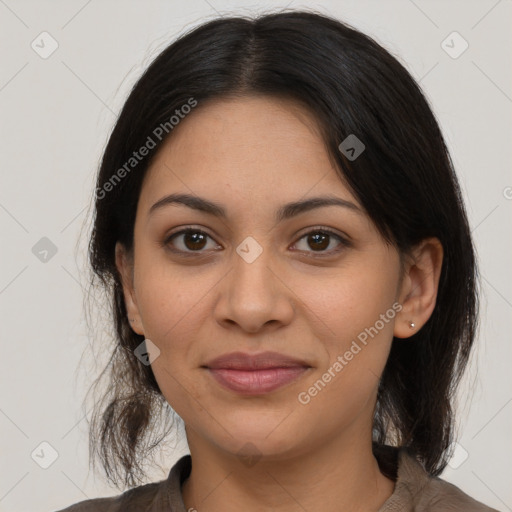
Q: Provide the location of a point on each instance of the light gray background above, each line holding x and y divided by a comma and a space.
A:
56, 114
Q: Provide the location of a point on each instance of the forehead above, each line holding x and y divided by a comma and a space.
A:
257, 150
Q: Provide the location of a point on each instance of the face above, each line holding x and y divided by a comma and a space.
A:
307, 285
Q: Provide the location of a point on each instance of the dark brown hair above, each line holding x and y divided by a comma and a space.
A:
404, 179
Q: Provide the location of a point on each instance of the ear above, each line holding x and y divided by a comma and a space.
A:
124, 264
418, 291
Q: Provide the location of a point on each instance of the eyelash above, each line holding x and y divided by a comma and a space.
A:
344, 243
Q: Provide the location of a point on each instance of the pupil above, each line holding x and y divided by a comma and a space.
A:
315, 239
196, 238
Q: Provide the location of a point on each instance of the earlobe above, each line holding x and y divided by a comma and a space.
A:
419, 288
124, 265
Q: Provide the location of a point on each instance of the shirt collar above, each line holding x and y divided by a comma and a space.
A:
411, 477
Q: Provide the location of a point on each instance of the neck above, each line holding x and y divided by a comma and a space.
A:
334, 476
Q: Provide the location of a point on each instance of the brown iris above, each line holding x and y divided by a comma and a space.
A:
319, 244
194, 240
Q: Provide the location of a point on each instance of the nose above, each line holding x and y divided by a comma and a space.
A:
254, 295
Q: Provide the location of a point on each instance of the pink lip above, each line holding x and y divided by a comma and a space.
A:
255, 374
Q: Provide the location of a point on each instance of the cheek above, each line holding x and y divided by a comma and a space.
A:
345, 384
170, 301
354, 319
172, 314
345, 303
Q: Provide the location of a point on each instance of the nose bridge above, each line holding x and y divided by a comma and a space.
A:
254, 295
252, 275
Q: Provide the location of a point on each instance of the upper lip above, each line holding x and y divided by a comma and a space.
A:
261, 361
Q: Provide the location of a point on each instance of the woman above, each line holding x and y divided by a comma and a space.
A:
282, 233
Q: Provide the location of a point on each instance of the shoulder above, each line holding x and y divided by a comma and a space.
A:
142, 498
416, 490
440, 495
163, 496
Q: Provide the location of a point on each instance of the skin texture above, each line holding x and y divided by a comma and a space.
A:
251, 155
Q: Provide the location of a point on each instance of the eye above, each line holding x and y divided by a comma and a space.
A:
190, 240
194, 240
320, 239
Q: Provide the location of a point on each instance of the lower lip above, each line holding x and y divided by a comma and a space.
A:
256, 382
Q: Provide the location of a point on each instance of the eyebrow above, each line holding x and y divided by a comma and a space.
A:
286, 211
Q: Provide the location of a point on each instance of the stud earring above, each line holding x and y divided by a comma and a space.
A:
411, 325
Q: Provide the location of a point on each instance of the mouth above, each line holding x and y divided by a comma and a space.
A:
257, 374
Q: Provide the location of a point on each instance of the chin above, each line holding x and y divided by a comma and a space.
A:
261, 440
